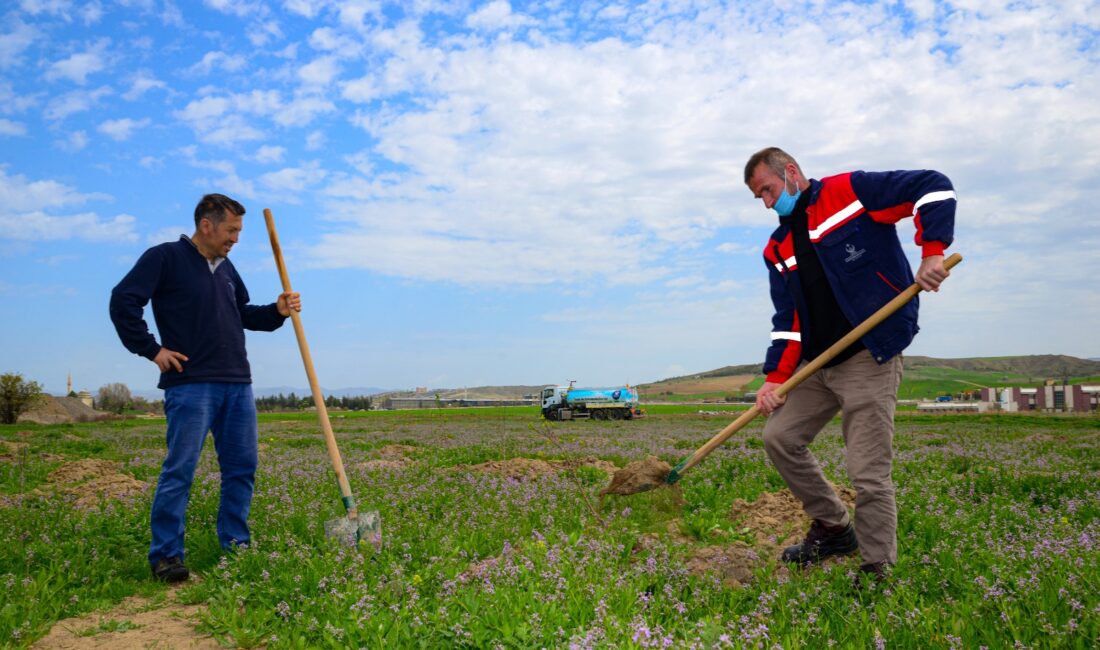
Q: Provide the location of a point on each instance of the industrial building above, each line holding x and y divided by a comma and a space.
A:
1074, 398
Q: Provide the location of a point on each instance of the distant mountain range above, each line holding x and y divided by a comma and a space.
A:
1032, 368
1051, 366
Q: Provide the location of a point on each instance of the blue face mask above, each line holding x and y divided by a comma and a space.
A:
784, 205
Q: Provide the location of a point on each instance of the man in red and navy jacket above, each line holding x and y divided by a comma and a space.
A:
834, 260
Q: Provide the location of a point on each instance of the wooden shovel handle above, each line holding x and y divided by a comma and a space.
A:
314, 386
810, 368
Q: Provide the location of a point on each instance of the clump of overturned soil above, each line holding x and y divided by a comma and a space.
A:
776, 520
639, 476
527, 468
92, 481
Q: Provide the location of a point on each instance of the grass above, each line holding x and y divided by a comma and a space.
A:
999, 522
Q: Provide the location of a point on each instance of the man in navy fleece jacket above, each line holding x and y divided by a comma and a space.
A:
201, 309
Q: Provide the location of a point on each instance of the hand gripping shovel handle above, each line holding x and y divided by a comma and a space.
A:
810, 368
314, 386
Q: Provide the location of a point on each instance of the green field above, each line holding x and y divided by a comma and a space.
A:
999, 527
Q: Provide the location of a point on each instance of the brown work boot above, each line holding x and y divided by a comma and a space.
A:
821, 542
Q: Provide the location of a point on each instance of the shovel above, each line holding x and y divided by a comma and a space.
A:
651, 473
356, 526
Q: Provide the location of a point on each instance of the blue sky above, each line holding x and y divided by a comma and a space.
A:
475, 193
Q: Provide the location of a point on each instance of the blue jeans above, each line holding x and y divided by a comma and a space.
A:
228, 411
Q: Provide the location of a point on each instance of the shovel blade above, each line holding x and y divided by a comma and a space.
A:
366, 527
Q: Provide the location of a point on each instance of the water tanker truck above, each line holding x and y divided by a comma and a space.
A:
569, 403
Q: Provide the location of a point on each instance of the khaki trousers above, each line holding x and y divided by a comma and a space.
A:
866, 394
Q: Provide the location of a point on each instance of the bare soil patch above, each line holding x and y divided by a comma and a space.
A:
135, 623
528, 468
776, 521
92, 481
395, 450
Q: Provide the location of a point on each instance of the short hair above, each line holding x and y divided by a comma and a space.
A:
774, 157
213, 207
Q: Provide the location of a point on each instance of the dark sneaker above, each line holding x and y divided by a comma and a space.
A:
821, 542
170, 569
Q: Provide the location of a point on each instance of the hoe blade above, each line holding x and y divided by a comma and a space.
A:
365, 527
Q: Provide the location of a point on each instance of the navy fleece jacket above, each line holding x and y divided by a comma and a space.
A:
198, 313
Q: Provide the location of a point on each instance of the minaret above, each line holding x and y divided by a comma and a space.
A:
69, 390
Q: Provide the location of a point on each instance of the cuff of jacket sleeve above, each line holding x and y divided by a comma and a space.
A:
152, 351
930, 248
776, 377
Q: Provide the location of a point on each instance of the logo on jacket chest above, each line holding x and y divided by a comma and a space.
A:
853, 254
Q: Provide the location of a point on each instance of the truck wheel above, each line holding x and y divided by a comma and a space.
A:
616, 414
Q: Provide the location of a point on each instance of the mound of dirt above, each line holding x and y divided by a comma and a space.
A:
776, 520
384, 463
58, 410
399, 451
639, 476
82, 470
92, 481
528, 468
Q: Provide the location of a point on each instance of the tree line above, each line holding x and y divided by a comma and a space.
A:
18, 395
293, 402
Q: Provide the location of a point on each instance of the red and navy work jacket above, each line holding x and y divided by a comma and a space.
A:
851, 221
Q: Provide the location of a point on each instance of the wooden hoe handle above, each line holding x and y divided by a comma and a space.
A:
314, 386
810, 368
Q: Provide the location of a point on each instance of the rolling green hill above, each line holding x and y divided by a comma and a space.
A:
925, 377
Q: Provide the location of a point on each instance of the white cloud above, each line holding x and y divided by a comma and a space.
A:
76, 141
76, 101
38, 226
327, 39
495, 16
315, 140
738, 248
24, 218
168, 234
77, 67
224, 120
61, 8
270, 154
8, 127
18, 194
302, 110
264, 32
319, 72
291, 182
306, 8
218, 61
121, 129
143, 82
91, 13
240, 8
15, 42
